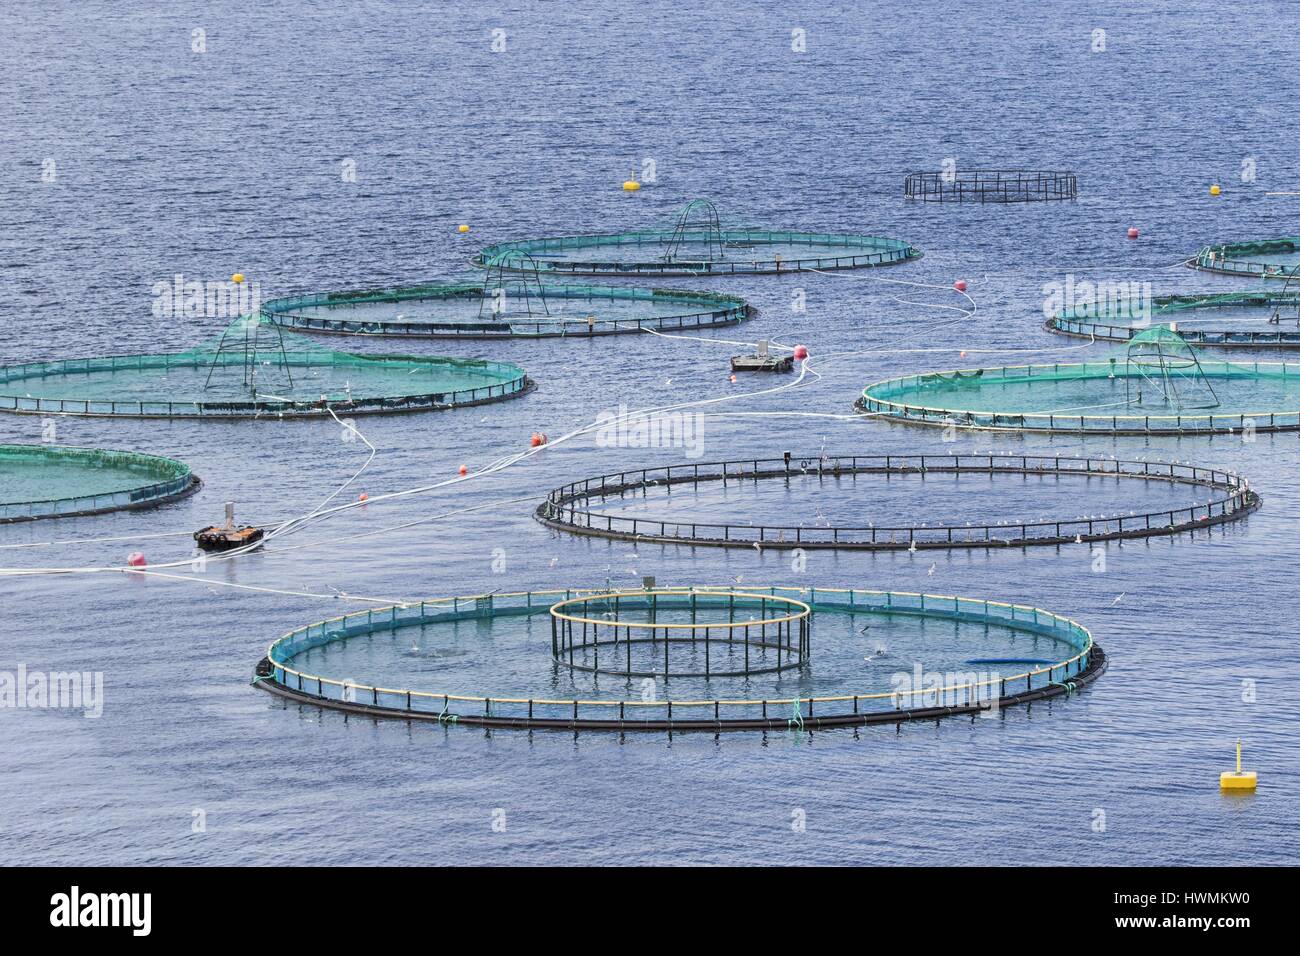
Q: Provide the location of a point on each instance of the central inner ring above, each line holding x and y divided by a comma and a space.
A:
681, 633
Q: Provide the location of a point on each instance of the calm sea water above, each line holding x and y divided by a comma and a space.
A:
170, 161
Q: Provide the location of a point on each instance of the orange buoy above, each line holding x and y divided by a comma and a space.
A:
1132, 232
463, 470
733, 378
363, 497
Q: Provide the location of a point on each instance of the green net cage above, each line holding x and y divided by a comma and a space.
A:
53, 481
698, 244
1263, 258
1258, 318
1156, 384
511, 302
254, 370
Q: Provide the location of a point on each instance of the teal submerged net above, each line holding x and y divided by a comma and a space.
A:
1266, 258
48, 481
504, 305
254, 369
697, 244
1157, 383
1258, 318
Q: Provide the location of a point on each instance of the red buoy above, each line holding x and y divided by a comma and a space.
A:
136, 560
801, 352
960, 285
535, 440
1132, 232
463, 470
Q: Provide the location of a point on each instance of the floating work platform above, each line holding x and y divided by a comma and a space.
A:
762, 361
227, 537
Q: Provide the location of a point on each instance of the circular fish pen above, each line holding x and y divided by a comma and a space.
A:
654, 647
53, 481
1156, 385
1263, 258
991, 185
697, 245
505, 307
1256, 319
254, 371
495, 657
582, 507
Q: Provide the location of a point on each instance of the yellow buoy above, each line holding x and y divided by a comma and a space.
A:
1215, 190
631, 186
462, 228
1237, 779
237, 278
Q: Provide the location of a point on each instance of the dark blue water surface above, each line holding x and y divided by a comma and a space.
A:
170, 161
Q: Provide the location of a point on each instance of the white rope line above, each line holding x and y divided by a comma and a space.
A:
321, 512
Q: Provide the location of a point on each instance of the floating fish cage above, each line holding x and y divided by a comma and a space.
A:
697, 245
759, 634
1264, 258
991, 185
254, 370
52, 481
1156, 385
1255, 319
584, 507
505, 307
497, 660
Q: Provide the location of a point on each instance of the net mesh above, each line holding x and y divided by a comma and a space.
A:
1268, 258
1161, 385
45, 480
504, 304
254, 367
697, 243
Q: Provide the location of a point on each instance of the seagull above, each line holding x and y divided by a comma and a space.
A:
932, 567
